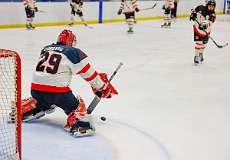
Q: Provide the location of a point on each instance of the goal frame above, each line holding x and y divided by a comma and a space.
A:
4, 53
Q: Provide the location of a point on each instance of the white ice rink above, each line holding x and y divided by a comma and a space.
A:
167, 108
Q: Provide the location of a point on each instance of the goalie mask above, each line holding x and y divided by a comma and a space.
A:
67, 37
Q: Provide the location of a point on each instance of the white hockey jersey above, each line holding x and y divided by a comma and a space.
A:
76, 4
29, 3
169, 4
128, 6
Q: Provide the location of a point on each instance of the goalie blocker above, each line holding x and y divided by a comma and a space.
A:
50, 85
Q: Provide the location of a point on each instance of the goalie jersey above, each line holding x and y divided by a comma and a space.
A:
57, 65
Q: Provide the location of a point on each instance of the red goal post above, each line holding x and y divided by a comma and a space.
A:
10, 105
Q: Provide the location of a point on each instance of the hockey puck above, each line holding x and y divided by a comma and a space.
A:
103, 118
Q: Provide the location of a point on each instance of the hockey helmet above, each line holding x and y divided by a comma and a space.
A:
211, 3
67, 37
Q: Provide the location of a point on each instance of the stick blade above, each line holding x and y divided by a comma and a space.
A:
219, 46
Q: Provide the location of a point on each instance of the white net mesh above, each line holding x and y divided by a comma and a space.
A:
8, 97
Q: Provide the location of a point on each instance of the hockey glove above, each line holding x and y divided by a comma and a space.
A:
36, 9
193, 16
212, 18
119, 12
137, 9
203, 25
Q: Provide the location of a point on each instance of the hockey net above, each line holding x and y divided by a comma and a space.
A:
10, 99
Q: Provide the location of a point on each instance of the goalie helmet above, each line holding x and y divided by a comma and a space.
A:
67, 37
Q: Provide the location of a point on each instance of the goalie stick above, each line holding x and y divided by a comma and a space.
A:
97, 99
218, 45
149, 7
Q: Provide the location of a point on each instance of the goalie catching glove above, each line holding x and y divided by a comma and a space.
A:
105, 92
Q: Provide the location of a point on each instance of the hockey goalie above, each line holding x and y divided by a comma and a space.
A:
50, 85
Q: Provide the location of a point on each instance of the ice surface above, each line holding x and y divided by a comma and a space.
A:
167, 108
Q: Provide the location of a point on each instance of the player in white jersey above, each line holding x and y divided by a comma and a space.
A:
76, 9
128, 8
168, 7
30, 9
51, 80
203, 17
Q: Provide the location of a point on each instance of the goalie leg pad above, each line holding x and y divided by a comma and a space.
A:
79, 123
31, 111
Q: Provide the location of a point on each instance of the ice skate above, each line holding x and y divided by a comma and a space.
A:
71, 24
196, 60
29, 27
168, 25
130, 31
82, 129
201, 57
30, 117
80, 124
12, 117
164, 25
33, 114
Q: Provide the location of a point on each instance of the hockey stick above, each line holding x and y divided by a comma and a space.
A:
218, 45
41, 11
149, 7
97, 99
86, 25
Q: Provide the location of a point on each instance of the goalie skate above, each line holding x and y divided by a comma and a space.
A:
27, 117
33, 117
82, 129
12, 117
31, 112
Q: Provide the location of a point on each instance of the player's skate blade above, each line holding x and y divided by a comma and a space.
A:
33, 117
82, 129
83, 132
